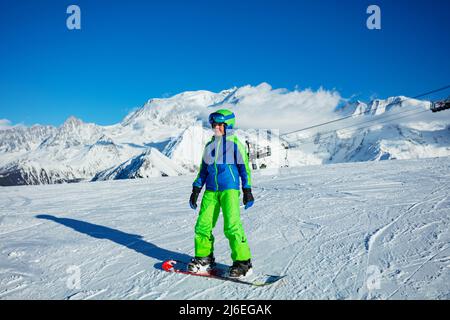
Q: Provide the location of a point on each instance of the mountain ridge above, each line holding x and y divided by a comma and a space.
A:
177, 128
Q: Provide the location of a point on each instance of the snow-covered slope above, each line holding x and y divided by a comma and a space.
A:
73, 152
177, 127
187, 148
24, 139
377, 230
150, 163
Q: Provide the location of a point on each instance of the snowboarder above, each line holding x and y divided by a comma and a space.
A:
224, 161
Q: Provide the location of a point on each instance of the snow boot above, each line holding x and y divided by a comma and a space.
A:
241, 269
201, 264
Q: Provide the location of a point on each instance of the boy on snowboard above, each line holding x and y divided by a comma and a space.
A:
224, 161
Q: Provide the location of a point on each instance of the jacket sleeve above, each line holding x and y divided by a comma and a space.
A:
202, 173
242, 165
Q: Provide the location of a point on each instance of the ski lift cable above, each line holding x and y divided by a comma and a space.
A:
295, 145
358, 127
381, 117
367, 111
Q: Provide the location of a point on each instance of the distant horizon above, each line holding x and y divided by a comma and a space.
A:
147, 100
129, 52
5, 122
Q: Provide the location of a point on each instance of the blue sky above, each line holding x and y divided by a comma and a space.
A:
130, 51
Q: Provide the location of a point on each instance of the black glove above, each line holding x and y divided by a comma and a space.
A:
194, 197
248, 198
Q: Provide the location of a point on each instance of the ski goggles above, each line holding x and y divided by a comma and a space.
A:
219, 118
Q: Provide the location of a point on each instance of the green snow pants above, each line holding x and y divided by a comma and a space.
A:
212, 201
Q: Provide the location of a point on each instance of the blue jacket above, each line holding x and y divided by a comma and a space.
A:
224, 161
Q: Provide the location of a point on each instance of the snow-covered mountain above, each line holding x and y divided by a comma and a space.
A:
21, 139
150, 163
166, 136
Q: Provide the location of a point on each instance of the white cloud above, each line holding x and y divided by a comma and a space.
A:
5, 124
264, 107
267, 108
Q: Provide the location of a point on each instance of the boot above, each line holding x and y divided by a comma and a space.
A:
201, 264
241, 269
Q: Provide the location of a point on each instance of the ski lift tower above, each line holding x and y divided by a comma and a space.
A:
254, 153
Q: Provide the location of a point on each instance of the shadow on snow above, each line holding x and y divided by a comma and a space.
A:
131, 241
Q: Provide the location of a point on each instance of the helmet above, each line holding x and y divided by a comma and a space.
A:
223, 116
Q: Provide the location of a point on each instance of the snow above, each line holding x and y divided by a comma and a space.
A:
366, 230
150, 163
6, 124
393, 128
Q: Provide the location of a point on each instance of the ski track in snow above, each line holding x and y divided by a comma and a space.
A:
322, 226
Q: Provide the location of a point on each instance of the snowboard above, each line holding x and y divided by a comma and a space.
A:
257, 280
